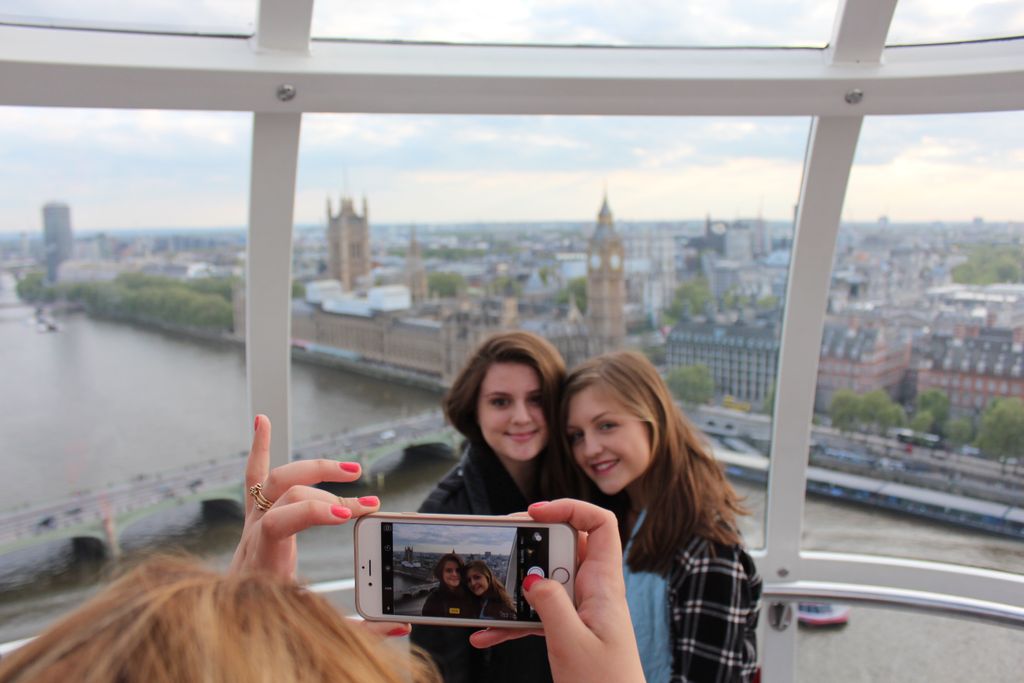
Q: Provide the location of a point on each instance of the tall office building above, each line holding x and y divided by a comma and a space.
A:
348, 244
606, 286
56, 237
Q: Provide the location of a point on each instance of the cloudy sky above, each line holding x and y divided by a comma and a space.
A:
131, 169
465, 539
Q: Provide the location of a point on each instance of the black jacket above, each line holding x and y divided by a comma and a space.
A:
479, 485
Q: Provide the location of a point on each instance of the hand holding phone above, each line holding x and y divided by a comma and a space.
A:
458, 570
592, 640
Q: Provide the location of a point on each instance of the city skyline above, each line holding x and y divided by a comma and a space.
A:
126, 170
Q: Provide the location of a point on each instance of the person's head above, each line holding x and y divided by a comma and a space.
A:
506, 396
479, 578
482, 583
630, 441
172, 620
449, 571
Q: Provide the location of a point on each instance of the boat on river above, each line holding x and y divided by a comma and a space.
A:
817, 614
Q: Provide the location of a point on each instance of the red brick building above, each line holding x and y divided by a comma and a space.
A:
861, 359
973, 366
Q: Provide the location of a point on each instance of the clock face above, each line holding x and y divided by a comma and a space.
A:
595, 261
616, 261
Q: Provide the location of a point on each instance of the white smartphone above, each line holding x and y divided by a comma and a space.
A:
457, 570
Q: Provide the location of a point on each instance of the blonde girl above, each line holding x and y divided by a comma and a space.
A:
692, 589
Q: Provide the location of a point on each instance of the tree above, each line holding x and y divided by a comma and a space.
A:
691, 297
959, 431
990, 264
445, 284
922, 421
32, 288
845, 410
692, 383
769, 400
935, 403
1002, 428
768, 302
655, 354
578, 288
221, 286
298, 290
505, 285
879, 410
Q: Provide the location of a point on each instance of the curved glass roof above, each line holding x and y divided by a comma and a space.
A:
690, 23
927, 21
231, 17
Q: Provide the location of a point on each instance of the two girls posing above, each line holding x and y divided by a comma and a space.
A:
468, 591
610, 433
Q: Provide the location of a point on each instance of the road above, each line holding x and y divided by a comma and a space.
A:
878, 456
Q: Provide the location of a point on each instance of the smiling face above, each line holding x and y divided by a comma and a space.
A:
478, 583
510, 413
450, 574
611, 445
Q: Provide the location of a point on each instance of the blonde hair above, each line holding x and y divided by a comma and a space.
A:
171, 620
684, 487
494, 588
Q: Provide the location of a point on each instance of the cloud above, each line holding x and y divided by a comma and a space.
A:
610, 22
237, 15
953, 20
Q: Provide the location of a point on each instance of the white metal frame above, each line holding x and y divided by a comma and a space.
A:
855, 77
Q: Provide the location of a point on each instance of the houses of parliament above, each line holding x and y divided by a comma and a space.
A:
400, 329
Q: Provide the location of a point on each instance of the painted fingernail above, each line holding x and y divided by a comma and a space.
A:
400, 631
256, 424
529, 581
341, 511
538, 504
349, 466
369, 501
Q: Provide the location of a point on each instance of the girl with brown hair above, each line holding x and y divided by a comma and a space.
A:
493, 600
450, 598
692, 589
504, 402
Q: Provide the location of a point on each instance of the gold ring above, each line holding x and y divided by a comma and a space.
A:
262, 502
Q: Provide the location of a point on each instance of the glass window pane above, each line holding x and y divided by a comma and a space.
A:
124, 391
925, 21
504, 208
225, 16
892, 645
790, 23
922, 348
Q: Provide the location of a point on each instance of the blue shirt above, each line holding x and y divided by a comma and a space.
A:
647, 596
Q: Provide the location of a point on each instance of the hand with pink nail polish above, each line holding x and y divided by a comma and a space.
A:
593, 640
287, 502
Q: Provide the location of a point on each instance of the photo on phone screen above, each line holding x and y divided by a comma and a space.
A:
461, 571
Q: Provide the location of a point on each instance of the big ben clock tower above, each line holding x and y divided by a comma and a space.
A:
606, 286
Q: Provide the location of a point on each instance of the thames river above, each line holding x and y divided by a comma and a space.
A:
100, 402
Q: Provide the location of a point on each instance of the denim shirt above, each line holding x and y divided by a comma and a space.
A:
647, 596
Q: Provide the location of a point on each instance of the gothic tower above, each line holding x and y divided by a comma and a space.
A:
415, 271
606, 286
348, 244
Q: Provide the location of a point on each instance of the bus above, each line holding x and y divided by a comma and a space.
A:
924, 439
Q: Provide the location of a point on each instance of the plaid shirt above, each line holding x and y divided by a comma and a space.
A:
714, 593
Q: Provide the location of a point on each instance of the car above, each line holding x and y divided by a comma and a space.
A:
387, 434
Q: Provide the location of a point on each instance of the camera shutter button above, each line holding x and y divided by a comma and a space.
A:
560, 574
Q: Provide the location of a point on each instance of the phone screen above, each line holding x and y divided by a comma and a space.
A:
461, 571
